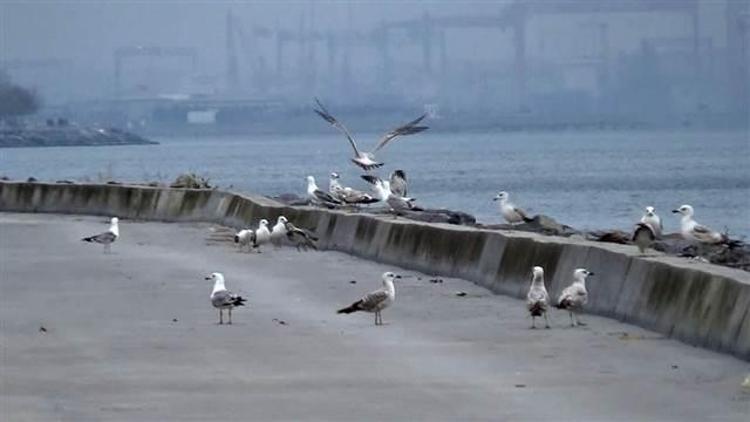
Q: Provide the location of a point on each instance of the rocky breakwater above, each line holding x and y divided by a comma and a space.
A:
57, 136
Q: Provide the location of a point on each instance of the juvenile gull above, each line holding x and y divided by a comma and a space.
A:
318, 196
300, 238
107, 238
366, 160
398, 182
652, 219
348, 195
537, 300
384, 193
575, 296
691, 230
245, 237
221, 298
644, 236
375, 301
509, 211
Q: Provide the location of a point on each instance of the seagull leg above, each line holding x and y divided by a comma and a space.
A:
221, 316
230, 315
572, 324
533, 322
376, 317
546, 320
579, 322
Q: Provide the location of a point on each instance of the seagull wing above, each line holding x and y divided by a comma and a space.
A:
373, 300
325, 197
398, 185
705, 234
226, 298
300, 237
335, 123
353, 196
374, 180
641, 227
104, 238
407, 129
522, 213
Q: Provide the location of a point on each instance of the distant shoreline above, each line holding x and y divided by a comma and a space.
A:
68, 136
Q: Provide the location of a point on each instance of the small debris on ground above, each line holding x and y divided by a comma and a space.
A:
520, 385
280, 321
460, 294
42, 329
675, 366
436, 280
174, 319
352, 281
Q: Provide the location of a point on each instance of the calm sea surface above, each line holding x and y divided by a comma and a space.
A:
587, 180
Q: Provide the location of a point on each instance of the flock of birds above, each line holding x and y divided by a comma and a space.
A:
393, 192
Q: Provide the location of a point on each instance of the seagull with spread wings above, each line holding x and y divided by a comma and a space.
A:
366, 160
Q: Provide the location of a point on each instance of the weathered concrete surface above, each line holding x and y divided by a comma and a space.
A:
113, 352
701, 304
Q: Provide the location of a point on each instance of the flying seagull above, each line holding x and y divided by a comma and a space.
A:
575, 296
318, 196
375, 301
691, 230
509, 211
384, 193
107, 238
537, 299
300, 238
652, 219
245, 237
644, 236
348, 195
398, 182
221, 298
366, 160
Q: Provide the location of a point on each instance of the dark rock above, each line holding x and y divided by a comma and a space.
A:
610, 236
31, 179
42, 329
539, 224
65, 182
290, 199
353, 282
434, 216
460, 294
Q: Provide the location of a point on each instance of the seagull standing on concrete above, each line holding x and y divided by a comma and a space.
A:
262, 234
348, 195
691, 230
245, 237
366, 160
652, 219
318, 196
398, 183
644, 236
384, 193
575, 296
221, 298
509, 211
278, 232
107, 238
300, 238
375, 301
537, 299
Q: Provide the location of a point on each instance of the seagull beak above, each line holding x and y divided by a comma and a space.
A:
207, 278
495, 198
398, 276
675, 211
590, 273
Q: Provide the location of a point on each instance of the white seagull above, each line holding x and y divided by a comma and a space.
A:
348, 195
509, 211
221, 298
245, 237
691, 230
107, 238
318, 196
278, 232
262, 234
384, 193
375, 301
575, 296
652, 219
398, 182
366, 160
537, 299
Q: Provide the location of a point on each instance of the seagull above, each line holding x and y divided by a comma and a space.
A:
262, 234
301, 238
652, 219
318, 196
575, 296
537, 299
384, 193
245, 237
510, 212
221, 298
278, 232
107, 238
348, 195
644, 236
398, 182
691, 230
366, 160
375, 301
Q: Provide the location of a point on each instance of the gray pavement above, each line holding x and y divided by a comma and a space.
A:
132, 336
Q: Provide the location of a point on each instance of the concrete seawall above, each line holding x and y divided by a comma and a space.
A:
701, 304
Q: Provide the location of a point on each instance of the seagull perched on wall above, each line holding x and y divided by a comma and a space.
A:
318, 196
107, 238
398, 182
652, 219
511, 213
643, 236
375, 301
221, 298
245, 237
384, 193
575, 296
691, 230
366, 160
537, 299
348, 195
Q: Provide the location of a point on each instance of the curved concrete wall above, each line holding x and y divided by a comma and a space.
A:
698, 303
